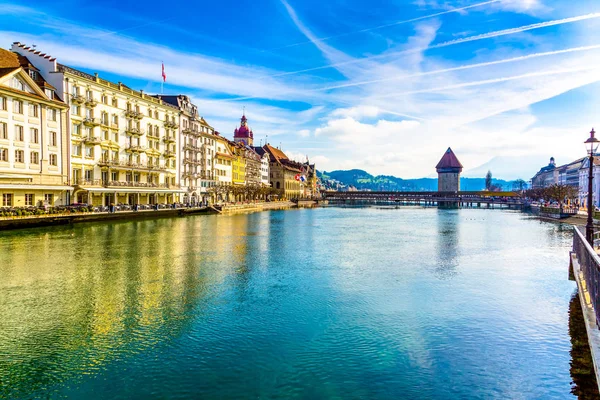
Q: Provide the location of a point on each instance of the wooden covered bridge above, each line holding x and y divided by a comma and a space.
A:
511, 200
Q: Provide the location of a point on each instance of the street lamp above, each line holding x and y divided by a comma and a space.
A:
592, 142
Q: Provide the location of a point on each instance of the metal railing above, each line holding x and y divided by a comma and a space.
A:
589, 262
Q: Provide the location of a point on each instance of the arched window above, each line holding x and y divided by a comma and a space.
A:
278, 185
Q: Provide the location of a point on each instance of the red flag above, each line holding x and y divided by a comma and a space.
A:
164, 76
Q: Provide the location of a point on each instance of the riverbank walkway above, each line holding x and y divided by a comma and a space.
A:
67, 217
585, 270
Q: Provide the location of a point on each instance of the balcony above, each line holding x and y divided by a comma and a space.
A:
188, 131
134, 131
90, 102
130, 165
88, 182
153, 135
135, 149
169, 154
171, 125
169, 139
94, 140
141, 185
90, 121
78, 99
192, 147
104, 123
191, 161
134, 114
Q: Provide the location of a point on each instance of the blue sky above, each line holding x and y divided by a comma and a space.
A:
385, 86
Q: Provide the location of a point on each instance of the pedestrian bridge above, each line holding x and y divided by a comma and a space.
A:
442, 199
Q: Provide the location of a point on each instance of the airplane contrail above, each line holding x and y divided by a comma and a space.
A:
464, 67
489, 35
322, 39
491, 81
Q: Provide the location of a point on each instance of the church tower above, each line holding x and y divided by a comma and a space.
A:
449, 169
244, 133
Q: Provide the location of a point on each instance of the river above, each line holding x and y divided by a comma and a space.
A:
309, 303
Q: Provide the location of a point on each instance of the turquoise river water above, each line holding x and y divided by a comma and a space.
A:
316, 303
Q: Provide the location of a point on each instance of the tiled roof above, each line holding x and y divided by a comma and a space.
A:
9, 62
449, 160
276, 154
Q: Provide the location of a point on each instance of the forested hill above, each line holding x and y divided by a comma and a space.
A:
362, 180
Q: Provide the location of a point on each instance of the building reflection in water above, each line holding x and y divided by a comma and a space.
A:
448, 243
74, 298
584, 384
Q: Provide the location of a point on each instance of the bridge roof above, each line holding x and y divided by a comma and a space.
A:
449, 160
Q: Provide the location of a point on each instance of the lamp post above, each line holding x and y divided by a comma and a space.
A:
589, 227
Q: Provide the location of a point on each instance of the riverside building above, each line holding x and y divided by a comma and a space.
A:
122, 144
33, 143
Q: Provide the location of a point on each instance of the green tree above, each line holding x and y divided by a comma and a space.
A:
488, 180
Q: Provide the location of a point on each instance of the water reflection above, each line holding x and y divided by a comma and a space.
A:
448, 243
584, 384
74, 298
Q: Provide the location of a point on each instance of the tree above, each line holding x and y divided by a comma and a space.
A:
488, 180
560, 193
519, 185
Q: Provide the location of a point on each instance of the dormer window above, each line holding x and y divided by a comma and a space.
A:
49, 93
33, 74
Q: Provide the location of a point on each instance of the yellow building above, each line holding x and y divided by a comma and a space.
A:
123, 145
33, 143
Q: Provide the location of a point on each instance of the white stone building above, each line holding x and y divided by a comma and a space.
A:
583, 182
33, 144
123, 143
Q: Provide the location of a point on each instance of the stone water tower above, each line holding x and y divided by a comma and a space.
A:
449, 169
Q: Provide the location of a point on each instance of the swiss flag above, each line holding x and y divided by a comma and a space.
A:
164, 76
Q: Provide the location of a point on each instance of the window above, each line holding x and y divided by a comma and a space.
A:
89, 95
150, 113
52, 114
77, 150
136, 177
89, 152
75, 109
76, 129
34, 110
105, 135
115, 154
17, 84
104, 118
115, 102
49, 93
89, 175
104, 99
29, 199
128, 177
49, 198
35, 157
74, 90
3, 130
53, 160
52, 139
19, 133
116, 137
3, 103
7, 199
35, 135
114, 176
18, 106
4, 155
19, 156
155, 114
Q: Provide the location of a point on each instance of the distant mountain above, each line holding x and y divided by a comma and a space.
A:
362, 180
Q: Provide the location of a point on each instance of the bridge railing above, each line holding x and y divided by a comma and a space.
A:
590, 266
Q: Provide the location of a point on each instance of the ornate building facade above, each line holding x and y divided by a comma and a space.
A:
123, 143
33, 143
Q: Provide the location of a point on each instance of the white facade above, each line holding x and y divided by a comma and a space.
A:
583, 183
223, 159
33, 163
123, 143
264, 170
